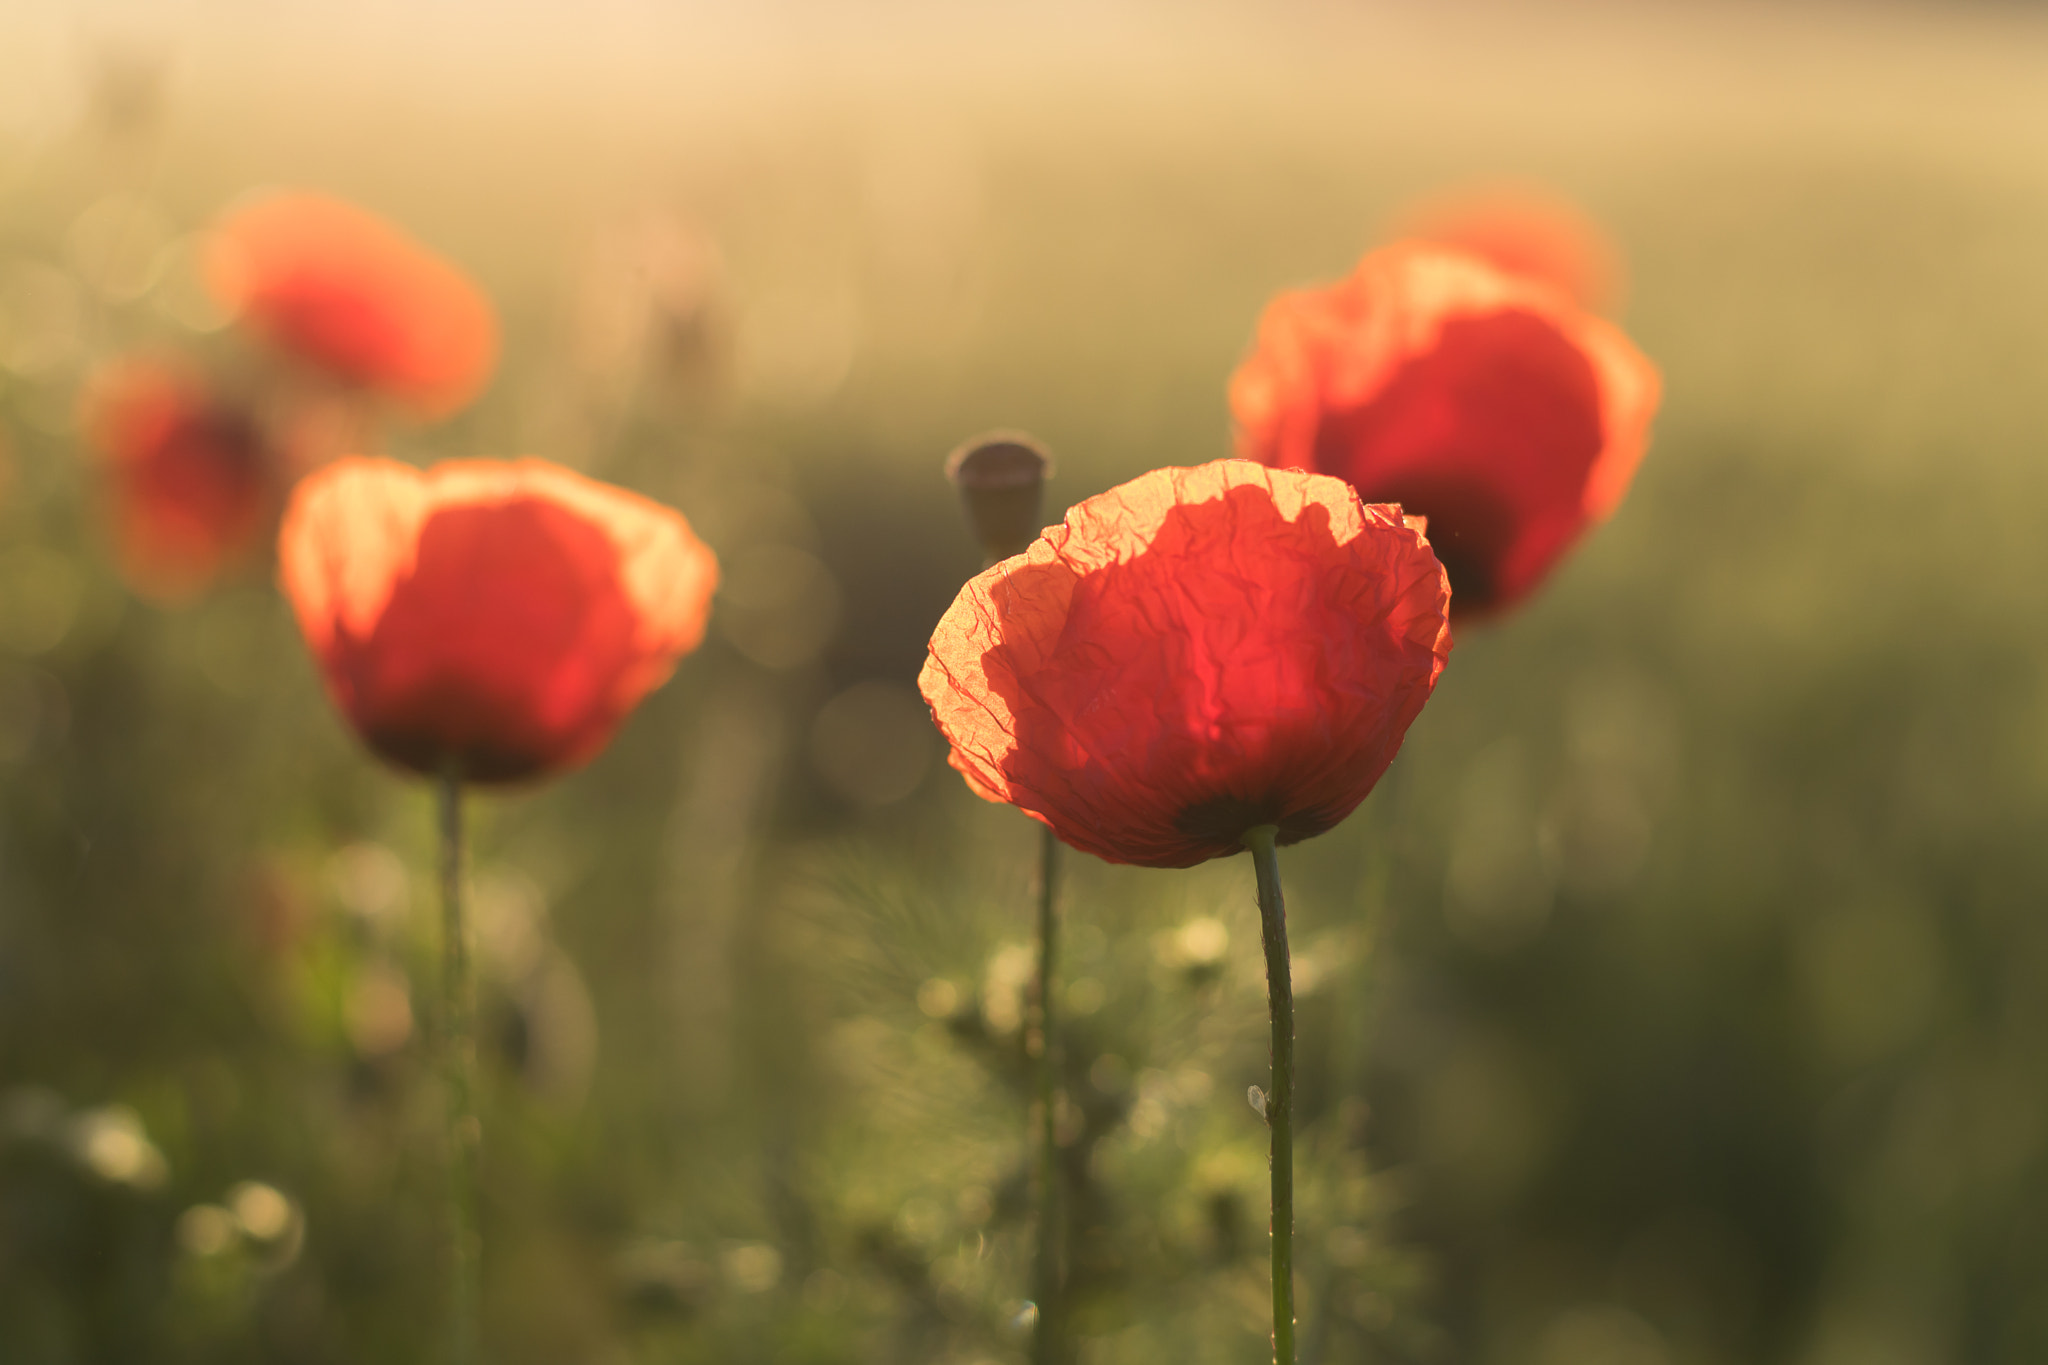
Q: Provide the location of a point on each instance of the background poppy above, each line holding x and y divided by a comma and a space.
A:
351, 295
1191, 654
503, 618
1523, 230
1483, 401
189, 479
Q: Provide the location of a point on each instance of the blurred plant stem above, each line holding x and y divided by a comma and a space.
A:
1349, 1044
1280, 1100
1048, 1342
458, 1047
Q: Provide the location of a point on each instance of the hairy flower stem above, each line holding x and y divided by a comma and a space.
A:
458, 1057
1048, 1340
1280, 1100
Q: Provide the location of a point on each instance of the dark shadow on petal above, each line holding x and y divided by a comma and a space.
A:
1492, 435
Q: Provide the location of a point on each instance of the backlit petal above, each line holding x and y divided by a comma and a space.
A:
1191, 654
1482, 400
504, 617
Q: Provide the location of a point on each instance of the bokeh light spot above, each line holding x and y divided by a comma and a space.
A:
873, 743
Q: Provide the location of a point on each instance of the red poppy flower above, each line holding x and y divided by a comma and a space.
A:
1190, 655
500, 618
1524, 231
347, 292
189, 480
1482, 401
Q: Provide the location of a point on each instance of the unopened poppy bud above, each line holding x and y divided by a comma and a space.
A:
1001, 477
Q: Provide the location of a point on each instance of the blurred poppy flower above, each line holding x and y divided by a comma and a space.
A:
1523, 231
350, 294
1192, 654
497, 618
1481, 401
190, 481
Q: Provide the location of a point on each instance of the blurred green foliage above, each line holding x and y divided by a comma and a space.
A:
1681, 998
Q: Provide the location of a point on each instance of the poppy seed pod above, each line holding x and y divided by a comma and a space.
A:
1190, 655
349, 294
1483, 401
1001, 477
496, 620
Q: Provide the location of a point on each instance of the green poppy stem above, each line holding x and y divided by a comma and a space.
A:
458, 1058
1280, 1100
1048, 1340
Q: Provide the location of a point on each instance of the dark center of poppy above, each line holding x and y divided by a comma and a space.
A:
1225, 819
209, 477
1491, 434
1470, 528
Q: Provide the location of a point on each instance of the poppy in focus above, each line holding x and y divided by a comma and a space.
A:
1190, 655
190, 481
351, 295
1482, 401
496, 619
1524, 231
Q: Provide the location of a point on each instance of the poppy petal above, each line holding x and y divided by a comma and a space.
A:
1193, 653
349, 293
1482, 400
190, 481
504, 617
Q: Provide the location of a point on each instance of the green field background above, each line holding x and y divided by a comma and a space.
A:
1681, 997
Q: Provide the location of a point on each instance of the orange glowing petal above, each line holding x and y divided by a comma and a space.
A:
348, 538
349, 293
504, 616
1188, 655
1528, 231
1482, 400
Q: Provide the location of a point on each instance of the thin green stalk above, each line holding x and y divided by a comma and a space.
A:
1280, 1099
458, 1044
1048, 1341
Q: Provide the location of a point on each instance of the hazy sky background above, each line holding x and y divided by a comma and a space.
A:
1722, 142
1623, 70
